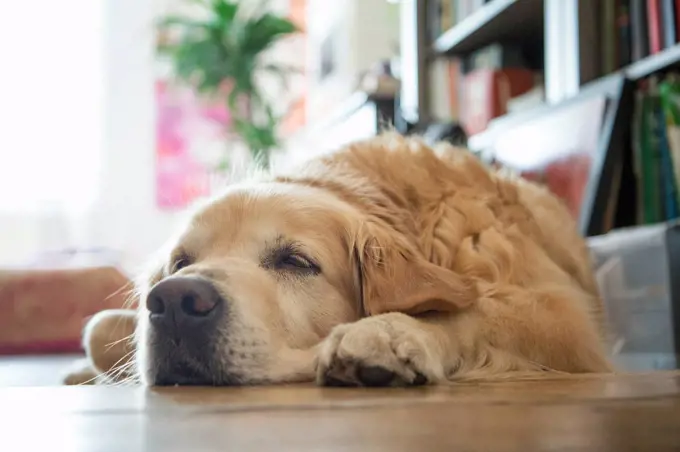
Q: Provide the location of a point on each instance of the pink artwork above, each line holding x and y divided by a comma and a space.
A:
188, 131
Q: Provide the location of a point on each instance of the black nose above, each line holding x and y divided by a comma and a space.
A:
183, 302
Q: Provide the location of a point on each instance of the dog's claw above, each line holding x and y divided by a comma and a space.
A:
420, 380
375, 376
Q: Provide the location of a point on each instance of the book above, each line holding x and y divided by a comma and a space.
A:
677, 20
476, 4
465, 8
447, 18
624, 36
461, 10
487, 92
636, 146
669, 90
609, 37
654, 25
639, 34
666, 177
646, 157
454, 87
668, 23
434, 14
495, 56
439, 95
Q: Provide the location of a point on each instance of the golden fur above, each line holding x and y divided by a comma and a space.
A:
433, 269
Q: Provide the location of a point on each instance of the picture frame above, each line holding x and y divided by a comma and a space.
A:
585, 142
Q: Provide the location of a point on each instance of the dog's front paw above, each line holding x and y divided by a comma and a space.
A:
386, 350
80, 373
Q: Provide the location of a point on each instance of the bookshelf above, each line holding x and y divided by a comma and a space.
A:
665, 60
582, 45
659, 62
516, 21
499, 20
432, 45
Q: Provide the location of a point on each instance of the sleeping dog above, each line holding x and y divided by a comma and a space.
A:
386, 263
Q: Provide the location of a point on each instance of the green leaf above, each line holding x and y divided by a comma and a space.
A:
281, 69
200, 61
177, 21
276, 26
228, 47
261, 33
225, 11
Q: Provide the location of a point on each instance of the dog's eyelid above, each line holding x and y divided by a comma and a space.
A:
179, 260
297, 251
290, 255
297, 258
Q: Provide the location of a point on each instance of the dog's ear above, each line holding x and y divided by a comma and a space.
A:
395, 278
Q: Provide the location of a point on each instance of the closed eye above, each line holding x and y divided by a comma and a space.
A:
178, 262
293, 261
289, 258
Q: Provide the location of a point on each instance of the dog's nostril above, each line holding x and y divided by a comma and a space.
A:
197, 306
182, 301
155, 305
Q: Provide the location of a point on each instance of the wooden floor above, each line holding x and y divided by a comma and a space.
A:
595, 414
44, 370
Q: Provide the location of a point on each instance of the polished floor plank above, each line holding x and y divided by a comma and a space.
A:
598, 413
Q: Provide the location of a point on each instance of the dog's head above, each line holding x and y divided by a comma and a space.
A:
260, 276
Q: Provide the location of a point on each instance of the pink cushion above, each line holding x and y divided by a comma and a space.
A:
44, 311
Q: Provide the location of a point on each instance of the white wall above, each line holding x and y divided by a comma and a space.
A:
364, 32
46, 132
126, 218
120, 159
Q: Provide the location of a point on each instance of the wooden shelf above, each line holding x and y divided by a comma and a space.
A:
499, 20
646, 67
654, 63
609, 85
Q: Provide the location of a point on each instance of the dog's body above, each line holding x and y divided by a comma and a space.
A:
386, 263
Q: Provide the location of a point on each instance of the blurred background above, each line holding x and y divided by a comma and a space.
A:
103, 143
118, 114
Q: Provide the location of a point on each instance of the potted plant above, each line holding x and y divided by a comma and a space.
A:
220, 54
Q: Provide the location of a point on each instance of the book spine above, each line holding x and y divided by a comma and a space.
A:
434, 19
673, 138
670, 95
609, 35
668, 23
677, 20
638, 168
455, 77
466, 8
639, 35
623, 23
439, 95
666, 170
649, 157
665, 167
446, 16
654, 25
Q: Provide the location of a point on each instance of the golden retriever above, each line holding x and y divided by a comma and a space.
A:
386, 263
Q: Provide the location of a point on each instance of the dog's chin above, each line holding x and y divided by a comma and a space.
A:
184, 375
188, 373
162, 366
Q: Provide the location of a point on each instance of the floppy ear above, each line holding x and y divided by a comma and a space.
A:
394, 277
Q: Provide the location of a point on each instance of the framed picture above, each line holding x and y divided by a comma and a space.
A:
575, 148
